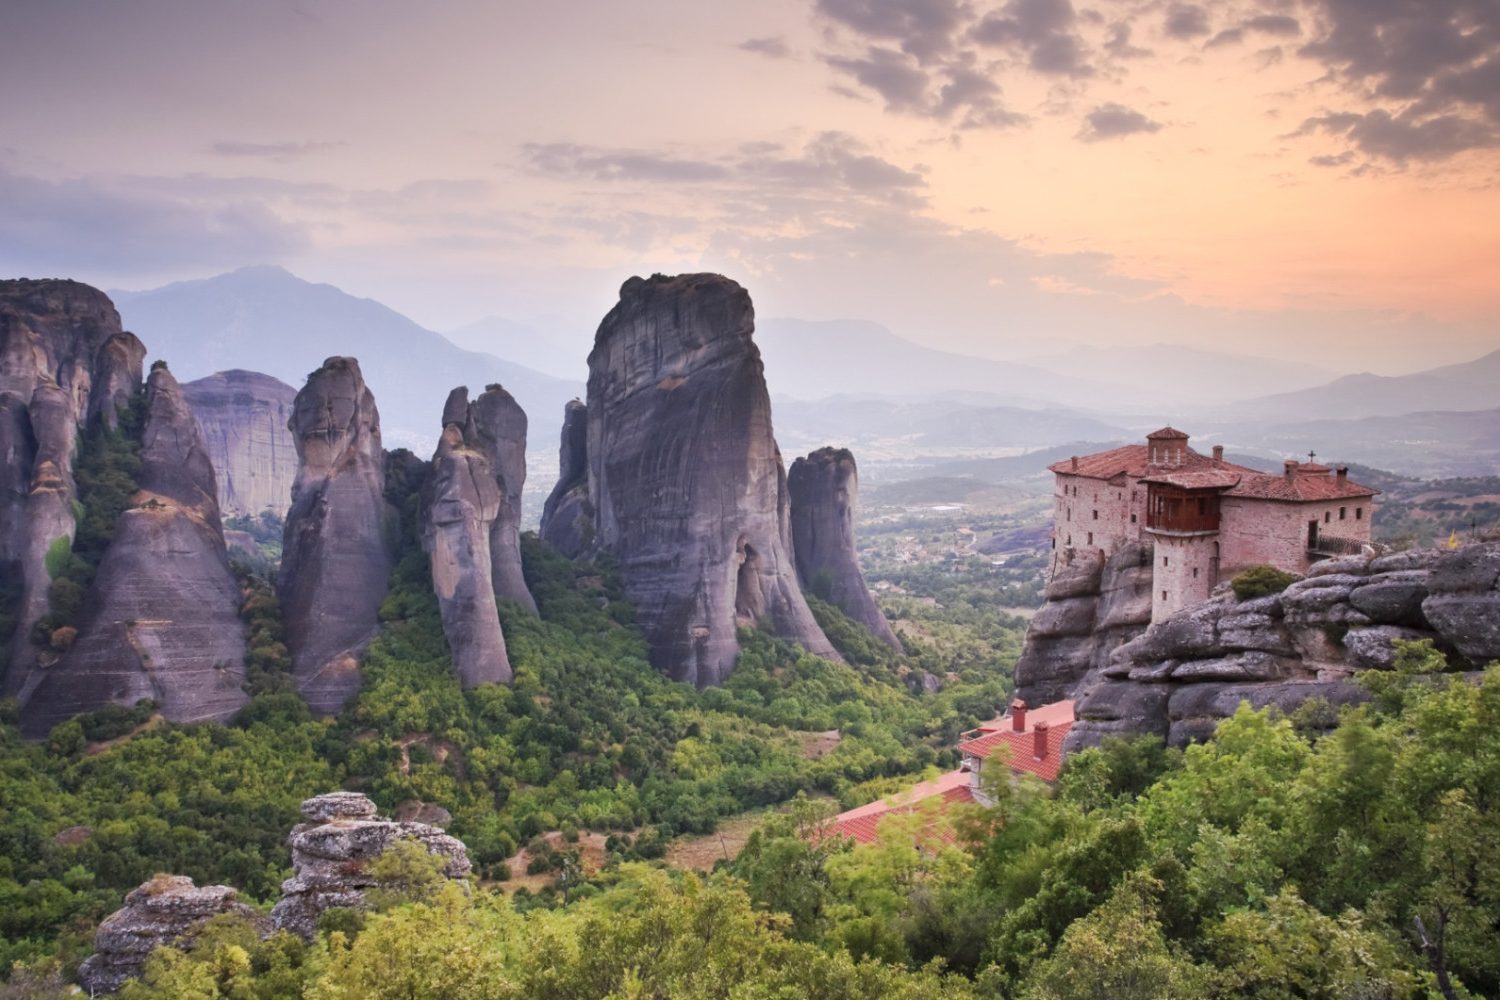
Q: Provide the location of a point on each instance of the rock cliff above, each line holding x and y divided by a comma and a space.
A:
684, 476
824, 487
568, 517
331, 852
163, 912
63, 357
161, 619
244, 417
337, 551
460, 503
496, 428
1184, 674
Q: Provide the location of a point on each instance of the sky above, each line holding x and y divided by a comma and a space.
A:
1308, 179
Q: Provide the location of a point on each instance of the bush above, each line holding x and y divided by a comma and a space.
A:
1261, 581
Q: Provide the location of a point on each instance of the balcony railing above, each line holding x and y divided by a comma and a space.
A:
1332, 545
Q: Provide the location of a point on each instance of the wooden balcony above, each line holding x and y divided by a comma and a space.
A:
1187, 511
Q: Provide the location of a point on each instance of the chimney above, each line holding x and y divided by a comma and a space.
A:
1039, 740
1291, 468
1341, 474
1075, 463
1018, 715
1218, 453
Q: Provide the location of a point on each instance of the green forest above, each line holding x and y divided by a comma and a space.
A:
1275, 860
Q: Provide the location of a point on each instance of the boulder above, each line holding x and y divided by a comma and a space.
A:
1117, 707
1374, 647
1077, 573
331, 855
161, 619
336, 552
460, 502
1464, 601
1393, 598
686, 482
1196, 709
568, 516
244, 418
824, 488
164, 912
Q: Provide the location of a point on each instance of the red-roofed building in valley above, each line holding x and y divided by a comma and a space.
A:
1030, 742
1206, 518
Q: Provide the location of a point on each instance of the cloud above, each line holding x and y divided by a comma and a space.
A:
1423, 75
1229, 36
98, 225
1117, 43
774, 47
896, 78
1043, 30
622, 164
924, 29
1114, 121
281, 151
1186, 21
1280, 25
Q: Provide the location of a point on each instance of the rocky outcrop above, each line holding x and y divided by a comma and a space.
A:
1183, 675
684, 476
244, 417
496, 428
824, 488
568, 516
161, 913
331, 853
63, 357
337, 551
1093, 606
161, 619
460, 504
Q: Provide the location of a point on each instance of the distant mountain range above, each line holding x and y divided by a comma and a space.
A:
268, 320
1472, 385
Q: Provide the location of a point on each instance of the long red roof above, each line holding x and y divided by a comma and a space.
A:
1135, 460
862, 823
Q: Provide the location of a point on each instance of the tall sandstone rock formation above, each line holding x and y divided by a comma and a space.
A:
161, 620
463, 504
684, 477
63, 360
568, 517
495, 425
337, 549
1179, 677
824, 489
244, 417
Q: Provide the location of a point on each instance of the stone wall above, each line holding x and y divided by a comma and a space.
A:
1260, 531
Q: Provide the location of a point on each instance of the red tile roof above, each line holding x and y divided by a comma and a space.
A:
1018, 748
1302, 488
862, 823
1207, 479
1135, 460
1167, 433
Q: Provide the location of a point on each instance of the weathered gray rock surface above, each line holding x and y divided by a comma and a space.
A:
161, 619
824, 488
244, 417
685, 480
1093, 606
331, 853
1181, 676
568, 516
496, 428
460, 503
163, 912
63, 357
337, 548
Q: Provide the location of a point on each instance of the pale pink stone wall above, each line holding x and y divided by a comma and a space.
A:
1184, 571
1099, 514
1275, 532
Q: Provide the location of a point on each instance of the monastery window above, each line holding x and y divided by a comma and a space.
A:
1195, 572
1327, 516
1091, 538
1070, 513
1163, 560
1132, 518
1164, 595
1359, 513
1096, 515
1070, 539
1342, 512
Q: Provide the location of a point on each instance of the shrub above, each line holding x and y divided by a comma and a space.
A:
1261, 581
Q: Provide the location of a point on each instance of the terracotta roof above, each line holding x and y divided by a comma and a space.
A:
1168, 434
1018, 747
1299, 488
1135, 460
862, 823
1207, 479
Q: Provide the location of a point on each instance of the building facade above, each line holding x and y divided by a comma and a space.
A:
1205, 518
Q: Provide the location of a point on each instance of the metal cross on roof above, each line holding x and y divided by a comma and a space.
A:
1311, 457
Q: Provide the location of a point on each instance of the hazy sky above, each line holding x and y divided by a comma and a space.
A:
1302, 178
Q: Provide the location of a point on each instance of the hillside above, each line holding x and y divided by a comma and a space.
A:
268, 320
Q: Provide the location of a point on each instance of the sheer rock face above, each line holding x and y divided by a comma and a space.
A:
331, 853
685, 479
824, 488
164, 912
63, 357
1180, 677
495, 426
161, 619
244, 417
337, 553
568, 517
461, 502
